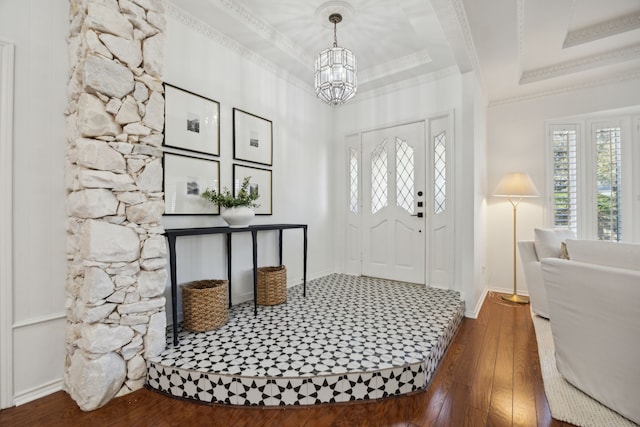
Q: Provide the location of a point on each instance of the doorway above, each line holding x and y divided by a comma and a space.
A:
400, 214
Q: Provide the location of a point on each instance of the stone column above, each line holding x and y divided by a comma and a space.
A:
116, 251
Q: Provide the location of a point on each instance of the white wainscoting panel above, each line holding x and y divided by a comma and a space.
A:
33, 324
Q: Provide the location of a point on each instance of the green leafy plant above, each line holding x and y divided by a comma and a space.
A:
225, 199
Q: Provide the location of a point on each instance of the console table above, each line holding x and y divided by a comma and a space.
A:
173, 233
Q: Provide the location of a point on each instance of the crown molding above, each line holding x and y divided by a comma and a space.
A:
463, 22
470, 45
268, 32
618, 78
395, 66
588, 62
454, 22
601, 30
208, 31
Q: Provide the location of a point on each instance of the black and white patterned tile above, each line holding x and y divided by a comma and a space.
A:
351, 338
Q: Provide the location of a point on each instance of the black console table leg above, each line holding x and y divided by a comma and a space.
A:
280, 247
174, 288
304, 267
229, 265
254, 239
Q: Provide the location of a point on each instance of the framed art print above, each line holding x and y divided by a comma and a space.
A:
192, 122
260, 182
185, 179
252, 138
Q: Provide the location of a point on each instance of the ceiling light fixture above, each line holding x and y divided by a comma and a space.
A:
336, 80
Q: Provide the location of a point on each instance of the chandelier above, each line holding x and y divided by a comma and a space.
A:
336, 80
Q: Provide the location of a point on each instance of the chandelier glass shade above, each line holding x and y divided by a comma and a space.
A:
335, 71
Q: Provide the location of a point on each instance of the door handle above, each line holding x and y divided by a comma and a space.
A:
419, 215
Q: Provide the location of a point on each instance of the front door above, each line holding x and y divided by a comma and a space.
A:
393, 208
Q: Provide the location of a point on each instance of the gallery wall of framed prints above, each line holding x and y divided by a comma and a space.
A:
192, 153
192, 133
253, 143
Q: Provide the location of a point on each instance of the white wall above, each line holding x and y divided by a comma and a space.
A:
471, 163
38, 29
516, 142
302, 154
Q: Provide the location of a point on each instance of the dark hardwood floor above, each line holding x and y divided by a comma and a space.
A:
490, 376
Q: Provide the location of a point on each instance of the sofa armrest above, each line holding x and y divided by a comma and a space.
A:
533, 276
595, 321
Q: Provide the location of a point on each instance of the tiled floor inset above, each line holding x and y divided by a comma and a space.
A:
351, 338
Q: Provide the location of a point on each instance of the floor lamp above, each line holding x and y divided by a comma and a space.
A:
515, 186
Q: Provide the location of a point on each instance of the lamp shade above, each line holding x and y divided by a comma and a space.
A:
516, 184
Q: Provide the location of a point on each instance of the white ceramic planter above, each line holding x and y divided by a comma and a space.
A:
238, 216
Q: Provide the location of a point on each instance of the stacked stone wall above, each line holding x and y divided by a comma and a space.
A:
116, 251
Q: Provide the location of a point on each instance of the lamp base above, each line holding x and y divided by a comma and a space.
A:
516, 298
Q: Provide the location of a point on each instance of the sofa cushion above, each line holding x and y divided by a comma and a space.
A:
613, 254
548, 242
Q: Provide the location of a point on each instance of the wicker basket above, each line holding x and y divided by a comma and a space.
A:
272, 285
204, 305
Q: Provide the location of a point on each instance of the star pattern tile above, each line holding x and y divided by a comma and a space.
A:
351, 338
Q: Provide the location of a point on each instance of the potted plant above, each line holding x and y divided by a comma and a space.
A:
237, 209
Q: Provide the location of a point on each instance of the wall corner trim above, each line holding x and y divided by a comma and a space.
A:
7, 50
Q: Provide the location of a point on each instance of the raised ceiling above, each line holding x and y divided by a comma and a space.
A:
517, 48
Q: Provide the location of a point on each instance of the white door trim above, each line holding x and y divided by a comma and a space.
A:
446, 277
6, 223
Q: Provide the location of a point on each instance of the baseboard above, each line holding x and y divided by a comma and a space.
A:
508, 291
473, 314
37, 392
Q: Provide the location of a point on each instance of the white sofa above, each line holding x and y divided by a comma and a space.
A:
594, 307
533, 275
547, 243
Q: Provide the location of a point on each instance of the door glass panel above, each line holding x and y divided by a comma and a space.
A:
440, 173
404, 176
353, 180
379, 179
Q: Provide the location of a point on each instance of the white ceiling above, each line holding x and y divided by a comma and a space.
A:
517, 48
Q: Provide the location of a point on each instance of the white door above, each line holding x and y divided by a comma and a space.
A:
393, 203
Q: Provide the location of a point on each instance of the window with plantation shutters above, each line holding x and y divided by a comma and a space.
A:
609, 182
565, 207
591, 180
